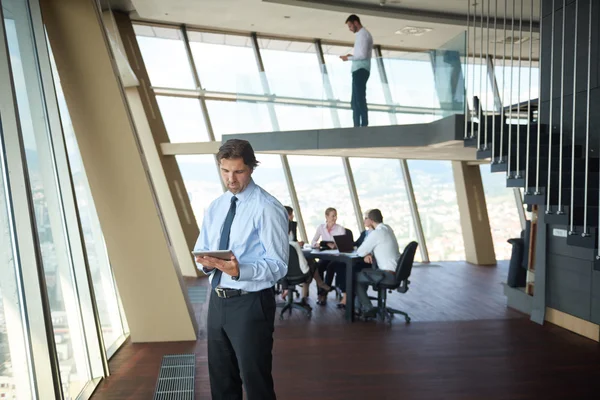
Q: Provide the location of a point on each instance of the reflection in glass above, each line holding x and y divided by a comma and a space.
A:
225, 63
320, 183
49, 218
183, 119
202, 181
502, 212
107, 298
270, 176
433, 183
165, 57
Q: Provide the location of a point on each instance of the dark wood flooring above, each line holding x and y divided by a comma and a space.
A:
463, 343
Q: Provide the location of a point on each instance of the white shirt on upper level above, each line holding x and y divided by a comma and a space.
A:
382, 243
363, 50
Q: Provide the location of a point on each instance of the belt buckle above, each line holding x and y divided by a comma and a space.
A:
221, 292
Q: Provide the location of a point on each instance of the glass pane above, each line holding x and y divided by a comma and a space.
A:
183, 119
225, 63
202, 181
477, 79
340, 75
433, 183
283, 59
294, 118
379, 184
314, 177
270, 176
111, 319
521, 92
410, 77
14, 362
58, 268
228, 117
165, 57
502, 211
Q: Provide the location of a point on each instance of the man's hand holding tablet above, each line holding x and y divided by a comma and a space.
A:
223, 260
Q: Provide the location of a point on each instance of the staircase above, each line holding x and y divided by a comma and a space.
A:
556, 181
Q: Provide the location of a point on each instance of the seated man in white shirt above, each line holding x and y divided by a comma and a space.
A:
381, 245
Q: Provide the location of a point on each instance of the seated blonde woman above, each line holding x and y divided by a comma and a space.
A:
325, 233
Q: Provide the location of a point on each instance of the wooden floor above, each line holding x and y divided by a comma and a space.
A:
463, 343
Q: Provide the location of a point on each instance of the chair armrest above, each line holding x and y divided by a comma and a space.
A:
403, 288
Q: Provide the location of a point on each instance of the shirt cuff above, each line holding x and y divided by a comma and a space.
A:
350, 58
246, 272
205, 270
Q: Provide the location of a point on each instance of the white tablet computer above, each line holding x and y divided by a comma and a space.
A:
222, 254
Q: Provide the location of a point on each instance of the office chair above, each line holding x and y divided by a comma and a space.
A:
294, 277
403, 270
349, 233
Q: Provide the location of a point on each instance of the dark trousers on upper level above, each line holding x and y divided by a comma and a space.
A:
240, 342
359, 97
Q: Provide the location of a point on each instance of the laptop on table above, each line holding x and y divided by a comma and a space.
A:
344, 243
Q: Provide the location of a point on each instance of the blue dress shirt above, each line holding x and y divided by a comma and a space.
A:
258, 237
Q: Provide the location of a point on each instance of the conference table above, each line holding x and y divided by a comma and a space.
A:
351, 260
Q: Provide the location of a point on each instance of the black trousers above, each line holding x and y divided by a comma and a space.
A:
240, 345
359, 97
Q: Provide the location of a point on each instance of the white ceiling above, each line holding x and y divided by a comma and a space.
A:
325, 19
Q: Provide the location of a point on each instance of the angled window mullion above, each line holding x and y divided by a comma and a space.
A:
201, 99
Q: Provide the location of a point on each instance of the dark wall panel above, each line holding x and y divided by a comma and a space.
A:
569, 282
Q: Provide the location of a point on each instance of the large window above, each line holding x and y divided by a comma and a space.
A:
270, 176
165, 57
229, 117
321, 183
502, 211
435, 193
225, 63
202, 181
14, 362
380, 184
49, 217
183, 119
410, 78
340, 75
107, 298
284, 59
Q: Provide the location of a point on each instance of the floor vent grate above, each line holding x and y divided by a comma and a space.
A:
176, 378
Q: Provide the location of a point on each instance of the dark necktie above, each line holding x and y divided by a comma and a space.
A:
224, 242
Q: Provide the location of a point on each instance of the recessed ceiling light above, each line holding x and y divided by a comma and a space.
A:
413, 31
287, 17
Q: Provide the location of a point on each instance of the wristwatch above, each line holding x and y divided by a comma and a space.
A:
235, 278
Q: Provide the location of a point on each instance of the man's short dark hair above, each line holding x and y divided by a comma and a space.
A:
375, 216
289, 210
353, 18
238, 148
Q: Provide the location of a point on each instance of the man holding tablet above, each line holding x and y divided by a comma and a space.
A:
254, 226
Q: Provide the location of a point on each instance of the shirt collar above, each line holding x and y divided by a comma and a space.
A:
245, 194
380, 226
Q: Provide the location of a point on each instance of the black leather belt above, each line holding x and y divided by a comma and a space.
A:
225, 293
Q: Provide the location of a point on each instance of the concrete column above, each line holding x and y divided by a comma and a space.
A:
146, 273
477, 236
168, 182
